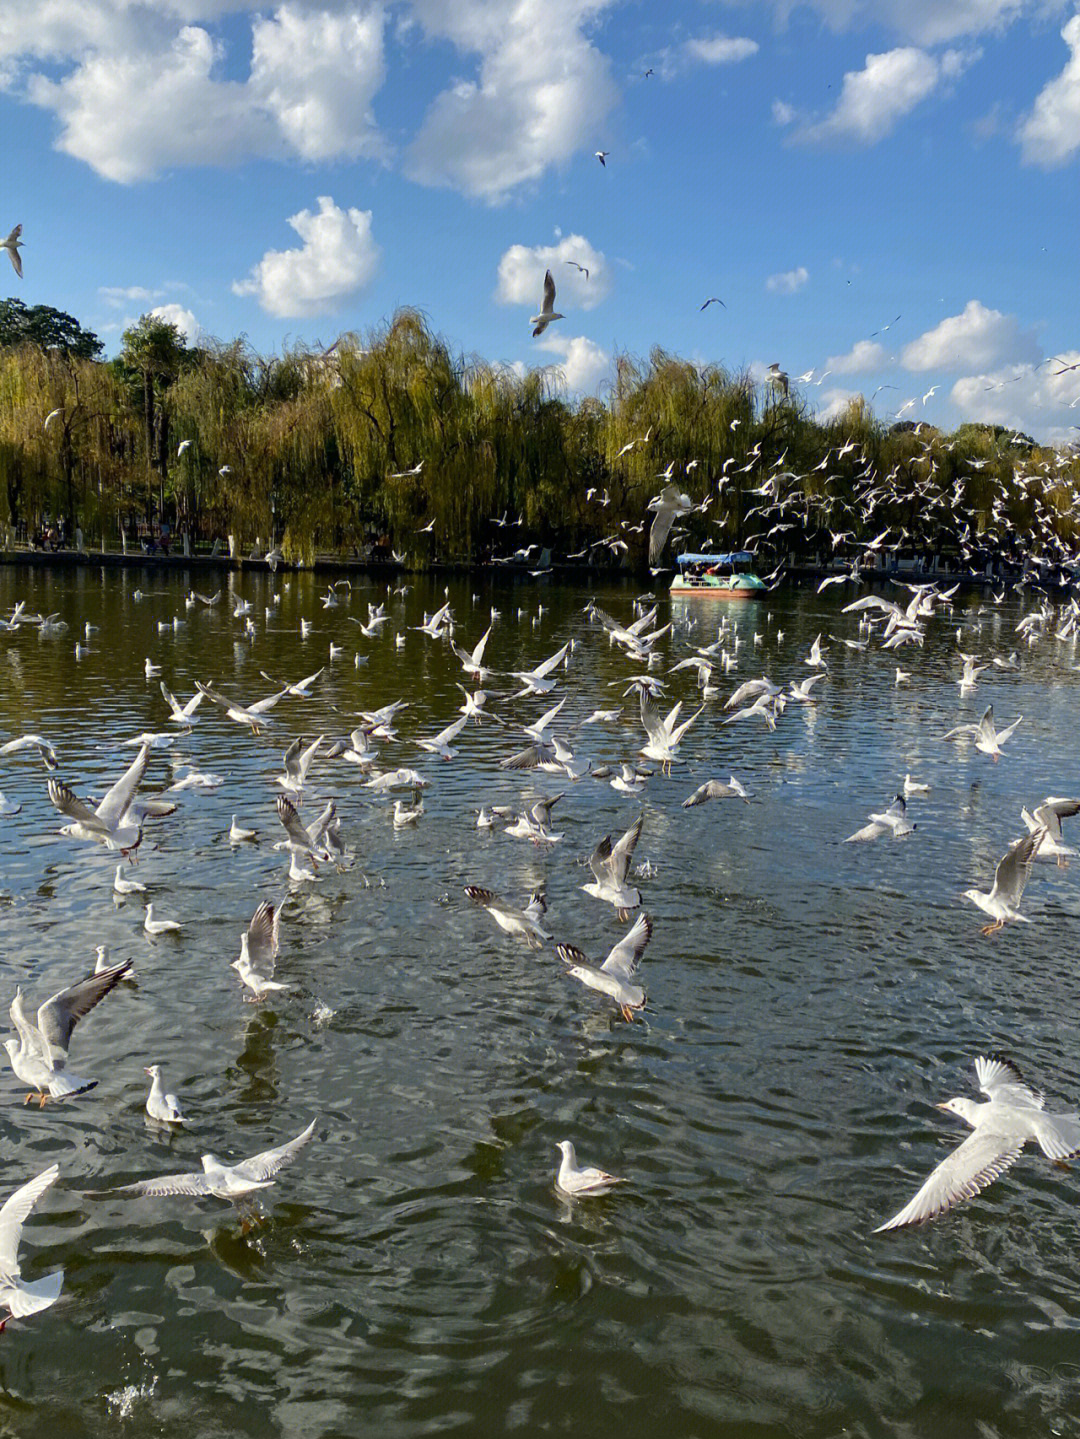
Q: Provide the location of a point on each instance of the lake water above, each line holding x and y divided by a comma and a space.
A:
809, 1003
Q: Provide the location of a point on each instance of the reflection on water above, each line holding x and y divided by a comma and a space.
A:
809, 1002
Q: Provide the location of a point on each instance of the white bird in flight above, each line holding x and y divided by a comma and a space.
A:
259, 947
1010, 877
20, 1296
234, 1182
12, 245
548, 311
615, 976
1000, 1129
39, 1055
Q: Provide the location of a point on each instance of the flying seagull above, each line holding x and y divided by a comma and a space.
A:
16, 1294
11, 245
39, 1055
583, 268
615, 976
713, 300
602, 155
548, 311
1010, 877
234, 1182
259, 946
1000, 1129
525, 922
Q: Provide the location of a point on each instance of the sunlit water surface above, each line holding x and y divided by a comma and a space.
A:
809, 1002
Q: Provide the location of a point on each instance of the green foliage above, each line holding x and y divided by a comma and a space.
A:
47, 328
319, 450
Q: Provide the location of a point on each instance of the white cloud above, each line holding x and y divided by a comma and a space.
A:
788, 281
543, 90
833, 403
883, 92
1051, 133
1036, 398
119, 295
720, 49
864, 358
147, 96
521, 274
583, 363
978, 337
783, 113
317, 74
927, 22
339, 257
182, 318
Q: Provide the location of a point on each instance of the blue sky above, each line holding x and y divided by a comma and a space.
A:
827, 168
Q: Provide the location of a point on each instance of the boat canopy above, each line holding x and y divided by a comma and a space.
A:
735, 557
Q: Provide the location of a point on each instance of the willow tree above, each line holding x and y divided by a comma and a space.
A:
154, 349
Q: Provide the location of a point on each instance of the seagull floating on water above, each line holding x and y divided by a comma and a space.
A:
579, 1182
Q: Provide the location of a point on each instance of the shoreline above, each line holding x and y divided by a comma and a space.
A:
337, 565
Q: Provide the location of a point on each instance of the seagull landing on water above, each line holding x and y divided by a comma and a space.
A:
988, 739
234, 1182
1000, 1129
548, 311
1010, 877
615, 976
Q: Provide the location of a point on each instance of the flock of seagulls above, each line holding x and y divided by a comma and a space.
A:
38, 1050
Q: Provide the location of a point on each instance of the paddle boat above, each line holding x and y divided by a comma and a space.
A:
727, 577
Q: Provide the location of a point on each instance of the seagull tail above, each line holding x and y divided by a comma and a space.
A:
1058, 1135
67, 1086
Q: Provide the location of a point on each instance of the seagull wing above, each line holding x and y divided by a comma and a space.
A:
623, 852
59, 1015
962, 729
1014, 869
262, 938
32, 1040
261, 706
549, 294
541, 810
984, 1154
114, 806
624, 958
478, 652
66, 801
985, 728
291, 820
659, 531
165, 1185
544, 669
451, 732
1000, 1079
1052, 811
524, 759
170, 699
261, 1167
650, 718
14, 1214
